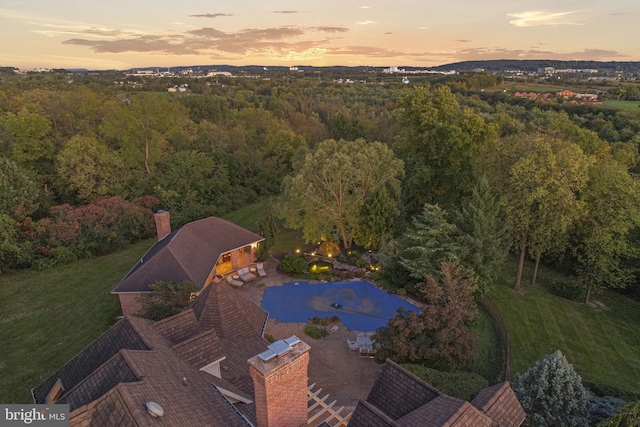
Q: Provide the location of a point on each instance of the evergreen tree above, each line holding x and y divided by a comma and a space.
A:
267, 229
431, 242
552, 394
485, 236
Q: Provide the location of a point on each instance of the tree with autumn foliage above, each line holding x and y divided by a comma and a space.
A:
438, 335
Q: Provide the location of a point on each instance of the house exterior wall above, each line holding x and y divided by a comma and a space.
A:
130, 303
239, 258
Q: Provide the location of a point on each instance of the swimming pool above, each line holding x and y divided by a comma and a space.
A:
360, 305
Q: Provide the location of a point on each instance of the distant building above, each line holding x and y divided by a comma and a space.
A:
566, 94
392, 70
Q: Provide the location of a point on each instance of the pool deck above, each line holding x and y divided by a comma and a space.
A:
341, 373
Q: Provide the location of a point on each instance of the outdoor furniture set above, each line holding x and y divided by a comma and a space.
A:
245, 275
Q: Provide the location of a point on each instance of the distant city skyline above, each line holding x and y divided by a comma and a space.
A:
121, 34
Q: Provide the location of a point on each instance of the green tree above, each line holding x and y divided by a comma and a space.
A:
431, 242
378, 217
13, 252
539, 177
439, 142
484, 234
193, 181
552, 394
88, 169
328, 192
30, 146
167, 299
19, 196
601, 237
142, 128
267, 229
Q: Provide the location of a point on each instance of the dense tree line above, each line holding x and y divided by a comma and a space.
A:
391, 149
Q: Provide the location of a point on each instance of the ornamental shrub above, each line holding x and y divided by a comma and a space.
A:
315, 332
293, 264
552, 394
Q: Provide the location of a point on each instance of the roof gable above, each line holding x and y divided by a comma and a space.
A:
120, 336
400, 399
501, 404
221, 308
398, 392
189, 253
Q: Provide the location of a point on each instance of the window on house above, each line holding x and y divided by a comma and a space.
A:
55, 393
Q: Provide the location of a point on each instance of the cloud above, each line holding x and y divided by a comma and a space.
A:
330, 29
463, 41
542, 18
501, 53
287, 11
366, 22
210, 15
266, 42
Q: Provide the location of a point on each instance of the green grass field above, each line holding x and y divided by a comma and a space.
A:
286, 241
623, 105
603, 345
47, 317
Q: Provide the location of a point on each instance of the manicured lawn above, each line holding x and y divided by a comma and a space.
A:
287, 240
623, 105
602, 344
47, 317
488, 357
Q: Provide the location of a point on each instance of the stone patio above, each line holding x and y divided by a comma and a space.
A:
343, 374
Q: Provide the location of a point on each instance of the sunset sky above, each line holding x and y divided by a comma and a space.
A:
127, 34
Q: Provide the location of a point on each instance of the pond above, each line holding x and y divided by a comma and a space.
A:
320, 267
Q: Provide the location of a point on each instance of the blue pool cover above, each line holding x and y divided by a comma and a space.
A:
361, 306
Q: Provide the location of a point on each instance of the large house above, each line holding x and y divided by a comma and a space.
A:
207, 366
211, 366
200, 251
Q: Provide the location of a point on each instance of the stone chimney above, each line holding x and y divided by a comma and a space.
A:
163, 224
280, 384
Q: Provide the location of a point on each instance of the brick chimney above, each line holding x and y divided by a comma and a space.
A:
280, 384
163, 224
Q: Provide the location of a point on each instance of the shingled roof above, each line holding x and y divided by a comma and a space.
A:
137, 361
189, 253
400, 399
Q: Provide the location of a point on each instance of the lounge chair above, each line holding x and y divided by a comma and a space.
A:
261, 271
233, 282
246, 275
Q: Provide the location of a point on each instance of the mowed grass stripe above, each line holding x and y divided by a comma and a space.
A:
49, 316
603, 345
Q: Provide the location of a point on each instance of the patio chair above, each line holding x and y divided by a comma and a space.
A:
233, 282
364, 351
246, 275
261, 271
353, 345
